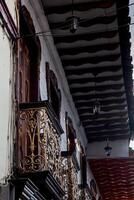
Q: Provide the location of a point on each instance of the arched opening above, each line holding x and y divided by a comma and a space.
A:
29, 56
83, 168
71, 136
54, 94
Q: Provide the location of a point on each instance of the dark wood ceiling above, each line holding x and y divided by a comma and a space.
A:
96, 60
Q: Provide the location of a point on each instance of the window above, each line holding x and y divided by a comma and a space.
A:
71, 136
54, 94
83, 166
29, 56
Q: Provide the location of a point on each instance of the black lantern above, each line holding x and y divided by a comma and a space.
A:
73, 21
96, 105
74, 24
108, 149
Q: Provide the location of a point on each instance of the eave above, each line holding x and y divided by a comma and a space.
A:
98, 53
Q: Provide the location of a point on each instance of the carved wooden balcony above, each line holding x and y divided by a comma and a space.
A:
70, 173
39, 144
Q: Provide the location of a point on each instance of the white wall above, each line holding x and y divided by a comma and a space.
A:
7, 99
49, 54
11, 4
5, 104
119, 149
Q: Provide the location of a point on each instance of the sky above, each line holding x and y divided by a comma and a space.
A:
132, 46
132, 29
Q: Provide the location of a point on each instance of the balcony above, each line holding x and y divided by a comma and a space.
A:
39, 156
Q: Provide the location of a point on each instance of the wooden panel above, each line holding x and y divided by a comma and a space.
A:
24, 72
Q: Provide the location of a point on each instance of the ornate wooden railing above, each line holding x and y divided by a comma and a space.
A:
84, 194
70, 176
73, 190
39, 149
39, 140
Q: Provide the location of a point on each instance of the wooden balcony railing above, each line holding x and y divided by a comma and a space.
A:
39, 140
71, 168
39, 151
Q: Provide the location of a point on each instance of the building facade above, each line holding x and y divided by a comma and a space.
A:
45, 150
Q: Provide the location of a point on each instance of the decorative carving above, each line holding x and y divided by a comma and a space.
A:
84, 195
70, 179
73, 190
39, 149
39, 143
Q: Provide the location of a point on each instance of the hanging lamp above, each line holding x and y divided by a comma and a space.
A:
108, 149
96, 105
73, 20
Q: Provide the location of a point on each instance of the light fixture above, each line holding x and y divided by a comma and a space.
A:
73, 20
108, 149
96, 105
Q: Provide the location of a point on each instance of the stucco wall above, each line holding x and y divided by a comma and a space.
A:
7, 98
119, 149
5, 105
11, 4
49, 54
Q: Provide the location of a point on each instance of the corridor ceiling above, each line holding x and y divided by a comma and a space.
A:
96, 60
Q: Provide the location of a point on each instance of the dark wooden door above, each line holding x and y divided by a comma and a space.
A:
24, 72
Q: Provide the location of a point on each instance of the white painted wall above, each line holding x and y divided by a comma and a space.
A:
5, 105
11, 4
49, 54
119, 149
7, 97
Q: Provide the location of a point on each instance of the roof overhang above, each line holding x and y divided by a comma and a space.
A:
97, 63
115, 177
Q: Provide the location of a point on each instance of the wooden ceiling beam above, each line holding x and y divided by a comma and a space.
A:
93, 79
61, 9
102, 95
90, 49
64, 25
87, 88
107, 132
106, 102
92, 70
103, 109
88, 60
102, 121
85, 36
107, 124
106, 127
103, 115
